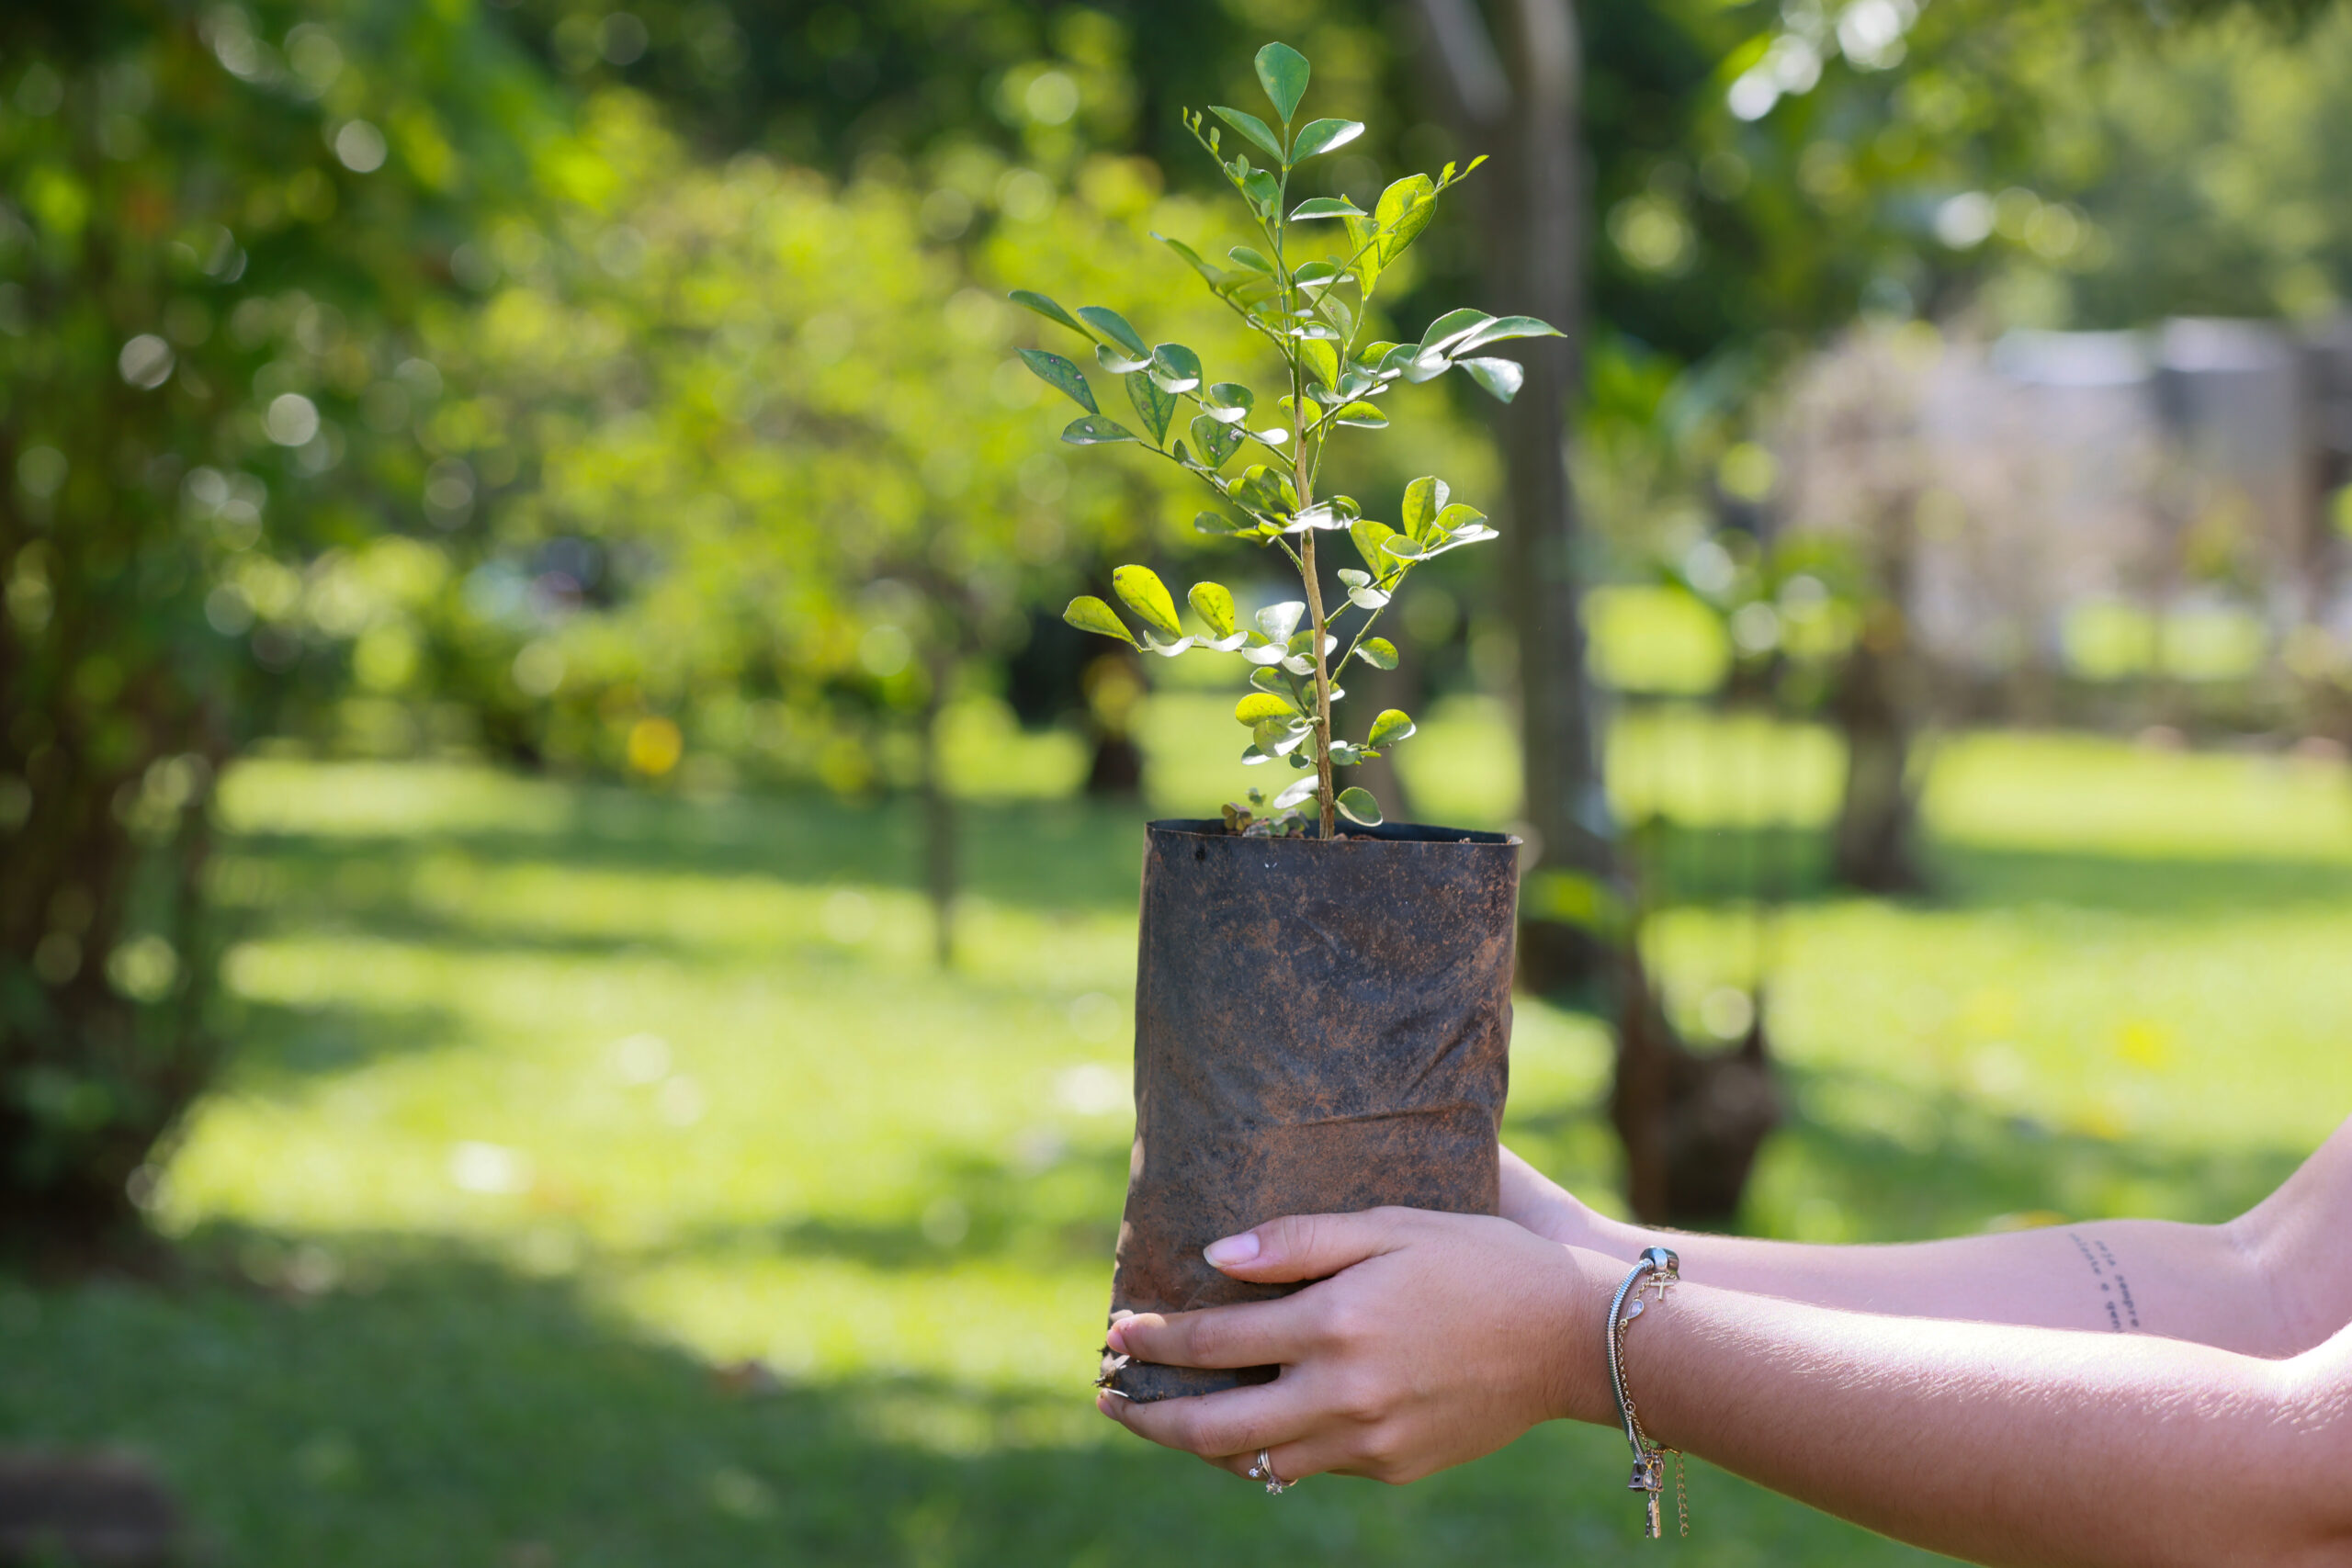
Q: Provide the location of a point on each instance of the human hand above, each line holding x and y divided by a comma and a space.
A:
1427, 1340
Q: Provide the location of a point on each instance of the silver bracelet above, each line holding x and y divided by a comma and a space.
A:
1664, 1271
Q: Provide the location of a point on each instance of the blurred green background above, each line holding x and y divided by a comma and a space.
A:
520, 521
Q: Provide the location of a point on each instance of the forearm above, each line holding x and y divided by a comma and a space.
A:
2197, 1282
2005, 1444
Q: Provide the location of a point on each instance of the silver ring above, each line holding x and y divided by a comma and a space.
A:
1264, 1471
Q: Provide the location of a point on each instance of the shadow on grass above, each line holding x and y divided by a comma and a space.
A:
435, 1406
1052, 1213
1895, 1162
1937, 1164
1709, 865
1052, 854
277, 1043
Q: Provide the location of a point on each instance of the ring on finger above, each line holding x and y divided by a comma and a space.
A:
1264, 1471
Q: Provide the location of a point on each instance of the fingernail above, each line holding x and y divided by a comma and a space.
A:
1233, 1250
1115, 1340
1108, 1403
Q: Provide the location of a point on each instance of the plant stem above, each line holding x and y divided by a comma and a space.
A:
1302, 482
1322, 682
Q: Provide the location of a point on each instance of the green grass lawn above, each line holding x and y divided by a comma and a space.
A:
555, 1101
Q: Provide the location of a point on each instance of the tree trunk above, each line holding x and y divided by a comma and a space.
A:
1531, 211
1872, 843
1691, 1123
1882, 688
939, 825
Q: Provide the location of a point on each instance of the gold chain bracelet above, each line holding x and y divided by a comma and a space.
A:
1664, 1271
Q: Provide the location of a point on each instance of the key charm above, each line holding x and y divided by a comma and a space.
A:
1649, 1480
1658, 1270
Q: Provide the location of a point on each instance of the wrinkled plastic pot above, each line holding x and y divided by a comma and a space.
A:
1319, 1028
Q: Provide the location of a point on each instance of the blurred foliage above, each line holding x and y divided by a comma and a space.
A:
779, 479
215, 240
632, 389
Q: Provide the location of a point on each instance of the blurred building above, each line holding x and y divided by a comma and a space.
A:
2093, 504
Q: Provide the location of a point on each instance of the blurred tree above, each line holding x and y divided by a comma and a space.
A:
777, 422
211, 238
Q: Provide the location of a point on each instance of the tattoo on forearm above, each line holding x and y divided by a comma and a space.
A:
2115, 1291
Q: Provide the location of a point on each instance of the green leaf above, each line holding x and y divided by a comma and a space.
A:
1242, 255
1287, 737
1424, 499
1302, 642
1501, 377
1321, 358
1250, 125
1367, 598
1266, 680
1356, 804
1147, 597
1109, 323
1378, 653
1263, 490
1229, 402
1391, 726
1404, 210
1213, 602
1218, 525
1451, 325
1217, 440
1324, 206
1153, 406
1279, 622
1088, 613
1095, 432
1045, 308
1059, 373
1369, 536
1117, 361
1282, 72
1361, 234
1263, 708
1315, 273
1459, 515
1322, 135
1263, 191
1507, 327
1215, 275
1298, 791
1363, 416
1175, 367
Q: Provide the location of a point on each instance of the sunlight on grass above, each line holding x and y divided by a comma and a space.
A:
678, 1080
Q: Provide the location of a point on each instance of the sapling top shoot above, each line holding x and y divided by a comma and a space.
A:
1262, 456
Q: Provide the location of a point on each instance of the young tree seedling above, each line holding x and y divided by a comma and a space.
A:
1313, 312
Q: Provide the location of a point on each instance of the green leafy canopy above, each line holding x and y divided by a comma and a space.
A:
1308, 294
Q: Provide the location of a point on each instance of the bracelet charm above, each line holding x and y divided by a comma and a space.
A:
1657, 1271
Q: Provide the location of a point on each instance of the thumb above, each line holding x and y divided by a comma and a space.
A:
1308, 1247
